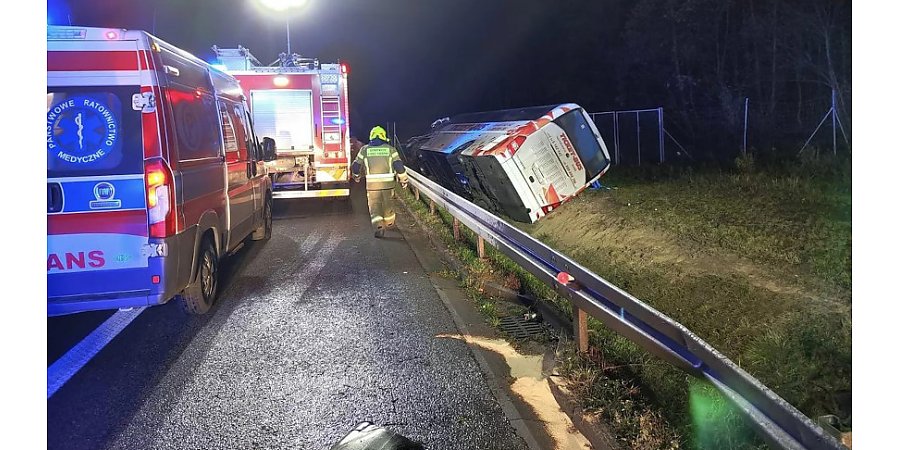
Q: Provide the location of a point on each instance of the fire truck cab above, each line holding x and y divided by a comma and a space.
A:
302, 105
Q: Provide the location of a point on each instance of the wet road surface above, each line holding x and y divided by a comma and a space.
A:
317, 329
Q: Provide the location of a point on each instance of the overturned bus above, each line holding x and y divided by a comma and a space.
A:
522, 163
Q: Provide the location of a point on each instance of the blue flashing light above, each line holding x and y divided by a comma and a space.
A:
337, 121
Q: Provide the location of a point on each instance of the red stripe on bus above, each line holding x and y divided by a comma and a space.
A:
91, 60
119, 222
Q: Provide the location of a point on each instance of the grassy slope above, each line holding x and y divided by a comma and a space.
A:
756, 264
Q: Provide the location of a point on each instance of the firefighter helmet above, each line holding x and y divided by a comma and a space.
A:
379, 133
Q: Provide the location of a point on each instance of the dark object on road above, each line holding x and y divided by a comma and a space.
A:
368, 436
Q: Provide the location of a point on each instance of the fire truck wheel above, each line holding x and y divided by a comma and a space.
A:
199, 296
264, 232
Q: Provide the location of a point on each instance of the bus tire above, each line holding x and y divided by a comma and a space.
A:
200, 295
264, 232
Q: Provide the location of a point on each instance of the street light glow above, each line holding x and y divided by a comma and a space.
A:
283, 5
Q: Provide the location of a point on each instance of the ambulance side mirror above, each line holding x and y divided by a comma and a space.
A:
268, 149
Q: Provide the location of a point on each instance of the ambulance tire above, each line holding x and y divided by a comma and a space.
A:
264, 232
200, 295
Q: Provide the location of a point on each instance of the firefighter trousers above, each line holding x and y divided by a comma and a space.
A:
381, 208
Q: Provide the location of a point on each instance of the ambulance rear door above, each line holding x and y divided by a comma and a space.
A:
97, 218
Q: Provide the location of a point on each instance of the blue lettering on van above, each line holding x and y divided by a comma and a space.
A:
81, 130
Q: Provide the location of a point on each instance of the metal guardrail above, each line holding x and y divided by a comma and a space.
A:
779, 423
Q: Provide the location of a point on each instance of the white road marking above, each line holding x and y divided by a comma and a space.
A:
69, 364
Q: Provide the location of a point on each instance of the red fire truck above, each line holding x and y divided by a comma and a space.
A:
303, 106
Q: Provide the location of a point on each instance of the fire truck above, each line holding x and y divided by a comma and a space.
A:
303, 106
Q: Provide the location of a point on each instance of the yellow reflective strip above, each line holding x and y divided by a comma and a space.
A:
390, 217
380, 176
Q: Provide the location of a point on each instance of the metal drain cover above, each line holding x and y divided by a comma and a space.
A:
520, 328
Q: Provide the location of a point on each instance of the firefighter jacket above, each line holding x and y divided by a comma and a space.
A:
382, 163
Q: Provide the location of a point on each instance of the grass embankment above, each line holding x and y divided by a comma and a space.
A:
757, 264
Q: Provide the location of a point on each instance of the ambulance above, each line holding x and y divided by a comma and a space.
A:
303, 105
154, 173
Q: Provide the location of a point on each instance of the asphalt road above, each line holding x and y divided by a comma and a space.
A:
316, 330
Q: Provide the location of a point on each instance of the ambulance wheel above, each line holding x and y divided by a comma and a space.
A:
264, 232
199, 296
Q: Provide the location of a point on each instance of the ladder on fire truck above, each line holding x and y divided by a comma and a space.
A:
330, 107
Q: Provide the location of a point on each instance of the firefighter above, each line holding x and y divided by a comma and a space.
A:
382, 164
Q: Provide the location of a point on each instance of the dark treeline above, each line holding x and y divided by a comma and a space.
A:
414, 62
699, 59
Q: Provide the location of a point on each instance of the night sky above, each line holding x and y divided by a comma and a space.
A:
411, 61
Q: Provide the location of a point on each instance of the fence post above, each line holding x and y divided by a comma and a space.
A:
581, 328
662, 141
616, 135
833, 124
638, 116
746, 107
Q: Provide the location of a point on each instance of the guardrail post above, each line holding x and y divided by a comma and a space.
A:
431, 205
416, 191
481, 253
581, 328
456, 229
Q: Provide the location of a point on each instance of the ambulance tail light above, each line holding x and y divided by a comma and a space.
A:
160, 198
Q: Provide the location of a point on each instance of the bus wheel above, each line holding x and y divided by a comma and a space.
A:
199, 296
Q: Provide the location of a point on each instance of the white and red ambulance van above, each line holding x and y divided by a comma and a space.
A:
154, 173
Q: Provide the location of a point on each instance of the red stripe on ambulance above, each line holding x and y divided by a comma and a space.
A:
122, 222
91, 60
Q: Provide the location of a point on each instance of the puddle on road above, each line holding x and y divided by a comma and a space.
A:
532, 387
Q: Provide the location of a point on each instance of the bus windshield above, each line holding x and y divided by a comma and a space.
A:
584, 140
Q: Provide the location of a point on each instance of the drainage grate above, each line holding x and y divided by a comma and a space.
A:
520, 328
